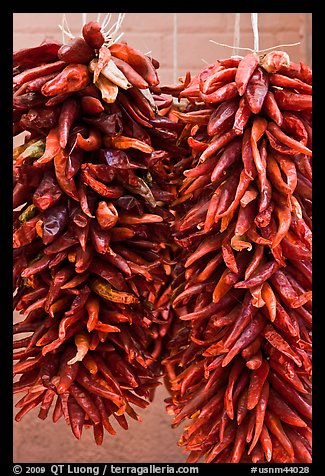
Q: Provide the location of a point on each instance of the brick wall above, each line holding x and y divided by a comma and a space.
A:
152, 440
155, 32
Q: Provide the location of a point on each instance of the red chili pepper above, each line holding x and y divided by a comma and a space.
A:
227, 210
109, 377
260, 410
244, 222
76, 51
52, 147
255, 361
229, 258
197, 401
92, 307
85, 401
242, 116
283, 411
46, 52
222, 118
247, 336
256, 89
271, 108
224, 93
277, 341
38, 71
26, 233
92, 142
36, 267
47, 192
100, 238
287, 140
37, 83
92, 386
130, 73
76, 415
275, 176
57, 99
219, 76
68, 115
246, 68
72, 78
67, 185
274, 425
295, 126
29, 406
229, 156
235, 371
114, 191
258, 129
266, 443
261, 274
104, 415
283, 286
22, 367
274, 61
67, 373
290, 101
286, 82
229, 436
257, 379
92, 34
47, 400
141, 63
91, 105
247, 154
301, 447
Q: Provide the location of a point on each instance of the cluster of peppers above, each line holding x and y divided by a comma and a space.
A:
238, 361
152, 238
92, 264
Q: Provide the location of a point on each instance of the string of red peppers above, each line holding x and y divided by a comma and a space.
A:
238, 359
238, 354
92, 263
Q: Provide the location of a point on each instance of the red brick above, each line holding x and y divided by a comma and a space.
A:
36, 22
280, 22
198, 22
148, 22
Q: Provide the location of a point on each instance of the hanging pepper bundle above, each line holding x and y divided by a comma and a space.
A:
91, 256
238, 361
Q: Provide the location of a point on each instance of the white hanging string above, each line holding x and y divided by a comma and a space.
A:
108, 33
65, 29
252, 50
106, 20
175, 58
254, 21
236, 34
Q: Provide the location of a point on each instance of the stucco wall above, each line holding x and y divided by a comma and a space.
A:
152, 440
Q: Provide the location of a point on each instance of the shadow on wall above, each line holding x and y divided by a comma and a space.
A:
149, 441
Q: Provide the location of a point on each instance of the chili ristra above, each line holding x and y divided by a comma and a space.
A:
242, 284
92, 180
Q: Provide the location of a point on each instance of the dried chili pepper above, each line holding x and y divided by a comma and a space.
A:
254, 342
82, 204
